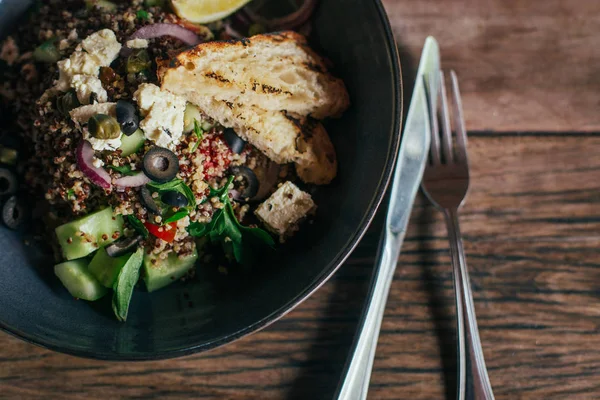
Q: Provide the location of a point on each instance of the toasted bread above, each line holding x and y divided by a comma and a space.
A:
273, 71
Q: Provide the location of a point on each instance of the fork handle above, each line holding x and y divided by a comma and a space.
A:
472, 375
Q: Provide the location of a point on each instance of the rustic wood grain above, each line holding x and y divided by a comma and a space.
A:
531, 226
532, 231
523, 64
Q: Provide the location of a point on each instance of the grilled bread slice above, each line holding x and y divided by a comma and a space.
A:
273, 71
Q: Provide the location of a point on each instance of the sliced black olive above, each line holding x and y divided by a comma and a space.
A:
127, 117
13, 213
174, 199
249, 184
235, 143
160, 164
148, 201
123, 246
8, 182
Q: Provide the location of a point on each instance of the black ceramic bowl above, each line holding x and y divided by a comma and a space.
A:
187, 318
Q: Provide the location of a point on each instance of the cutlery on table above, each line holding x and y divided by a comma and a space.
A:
409, 172
445, 183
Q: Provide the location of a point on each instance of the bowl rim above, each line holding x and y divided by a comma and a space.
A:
317, 282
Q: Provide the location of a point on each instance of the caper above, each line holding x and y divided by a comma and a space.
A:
256, 29
138, 61
102, 126
67, 102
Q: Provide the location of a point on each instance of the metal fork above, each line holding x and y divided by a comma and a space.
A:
445, 183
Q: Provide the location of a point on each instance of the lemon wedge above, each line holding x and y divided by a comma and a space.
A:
205, 11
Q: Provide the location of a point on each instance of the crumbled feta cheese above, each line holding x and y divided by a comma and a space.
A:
163, 111
97, 50
79, 63
103, 45
98, 163
80, 117
101, 144
284, 209
137, 43
85, 85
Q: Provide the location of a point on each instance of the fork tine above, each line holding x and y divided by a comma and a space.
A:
434, 150
446, 130
461, 132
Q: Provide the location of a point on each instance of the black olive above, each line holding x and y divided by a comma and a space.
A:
127, 117
148, 201
8, 182
160, 164
13, 213
123, 246
250, 183
174, 199
235, 143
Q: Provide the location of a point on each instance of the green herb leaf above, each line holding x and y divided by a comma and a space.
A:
138, 226
177, 216
124, 170
142, 14
241, 242
223, 192
199, 134
70, 194
176, 185
123, 287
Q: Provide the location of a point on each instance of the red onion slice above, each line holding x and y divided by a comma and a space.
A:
85, 158
290, 21
137, 180
174, 30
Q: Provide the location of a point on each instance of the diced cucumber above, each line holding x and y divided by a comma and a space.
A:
78, 280
191, 113
102, 4
105, 268
160, 273
131, 144
84, 236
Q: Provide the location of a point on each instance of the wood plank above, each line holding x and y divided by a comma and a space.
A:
522, 64
532, 231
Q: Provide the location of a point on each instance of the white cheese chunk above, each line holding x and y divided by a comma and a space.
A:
163, 114
103, 45
80, 117
85, 85
284, 209
137, 43
79, 63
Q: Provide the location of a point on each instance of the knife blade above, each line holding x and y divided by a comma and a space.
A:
410, 166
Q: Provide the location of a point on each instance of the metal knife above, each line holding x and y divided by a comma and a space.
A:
410, 165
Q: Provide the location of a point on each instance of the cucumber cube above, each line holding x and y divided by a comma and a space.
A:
84, 236
162, 272
105, 268
78, 280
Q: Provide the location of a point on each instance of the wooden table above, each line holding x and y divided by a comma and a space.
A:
530, 75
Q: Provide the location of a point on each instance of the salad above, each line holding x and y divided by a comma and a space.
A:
160, 138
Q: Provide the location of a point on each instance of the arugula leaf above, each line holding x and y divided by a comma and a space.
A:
137, 225
177, 185
177, 216
199, 134
241, 242
124, 170
123, 286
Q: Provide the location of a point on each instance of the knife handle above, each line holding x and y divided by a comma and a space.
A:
356, 376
